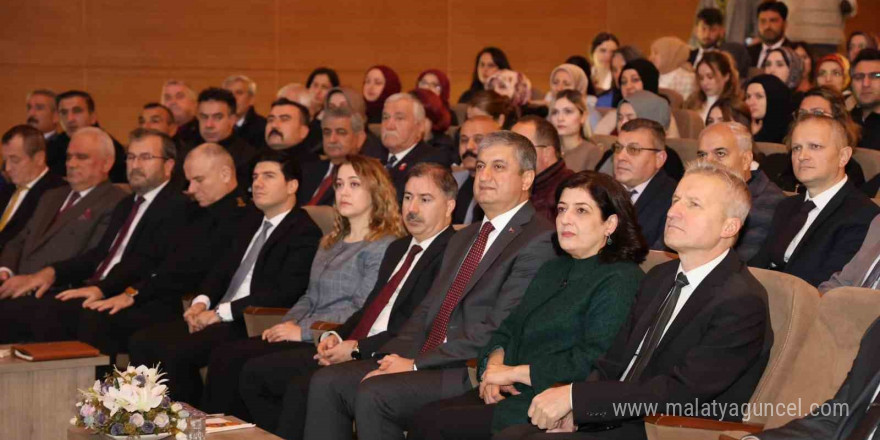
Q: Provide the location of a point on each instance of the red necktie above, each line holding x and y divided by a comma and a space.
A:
453, 295
372, 312
120, 236
71, 199
322, 189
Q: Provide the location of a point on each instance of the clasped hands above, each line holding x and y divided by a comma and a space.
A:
40, 282
332, 350
197, 317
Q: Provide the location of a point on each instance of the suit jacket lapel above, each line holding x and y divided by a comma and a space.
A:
647, 196
156, 208
505, 236
280, 232
826, 212
75, 211
436, 247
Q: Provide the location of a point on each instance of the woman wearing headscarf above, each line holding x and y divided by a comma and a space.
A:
437, 81
380, 82
637, 75
572, 77
833, 71
438, 119
354, 100
621, 57
769, 102
786, 65
646, 105
670, 55
489, 60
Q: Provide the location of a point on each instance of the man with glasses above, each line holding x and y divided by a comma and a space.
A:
639, 155
866, 86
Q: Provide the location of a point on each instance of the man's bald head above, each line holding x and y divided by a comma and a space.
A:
211, 173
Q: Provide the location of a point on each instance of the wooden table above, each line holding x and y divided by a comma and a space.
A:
74, 433
38, 398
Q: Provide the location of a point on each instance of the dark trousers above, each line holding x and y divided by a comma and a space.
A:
275, 388
465, 417
182, 354
110, 333
634, 431
224, 370
45, 319
382, 406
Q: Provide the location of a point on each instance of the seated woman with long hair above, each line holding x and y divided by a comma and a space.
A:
718, 79
488, 61
343, 273
567, 318
570, 115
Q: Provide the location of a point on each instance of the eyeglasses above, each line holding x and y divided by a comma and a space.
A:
632, 150
142, 157
812, 111
873, 76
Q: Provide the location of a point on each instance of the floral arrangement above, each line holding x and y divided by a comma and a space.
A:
131, 403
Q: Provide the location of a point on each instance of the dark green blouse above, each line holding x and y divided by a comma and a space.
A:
567, 318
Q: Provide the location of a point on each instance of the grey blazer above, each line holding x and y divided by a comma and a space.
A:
857, 269
494, 290
43, 242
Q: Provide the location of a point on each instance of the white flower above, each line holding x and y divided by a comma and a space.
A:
133, 398
161, 420
180, 436
176, 406
136, 419
181, 424
73, 421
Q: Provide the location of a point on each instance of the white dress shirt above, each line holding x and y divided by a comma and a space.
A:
765, 49
224, 310
148, 199
694, 277
399, 156
499, 223
24, 191
640, 188
381, 323
821, 200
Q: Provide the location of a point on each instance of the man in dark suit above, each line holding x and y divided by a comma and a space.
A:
267, 264
217, 119
709, 32
698, 334
730, 143
771, 31
189, 253
135, 241
343, 134
472, 132
182, 102
866, 89
639, 155
486, 269
24, 159
42, 113
287, 125
76, 110
249, 125
403, 122
814, 235
405, 275
858, 395
67, 222
155, 116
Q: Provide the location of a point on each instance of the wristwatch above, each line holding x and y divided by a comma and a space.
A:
130, 291
356, 352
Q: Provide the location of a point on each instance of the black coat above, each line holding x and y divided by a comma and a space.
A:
27, 206
715, 349
253, 130
411, 294
651, 208
281, 272
56, 157
313, 174
422, 152
830, 242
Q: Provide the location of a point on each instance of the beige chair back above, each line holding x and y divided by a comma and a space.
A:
689, 122
869, 160
686, 148
768, 148
603, 140
323, 217
584, 157
676, 101
256, 323
828, 350
604, 110
793, 305
656, 257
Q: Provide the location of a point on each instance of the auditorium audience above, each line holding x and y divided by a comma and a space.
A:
380, 82
155, 116
729, 110
717, 79
472, 133
42, 113
217, 122
67, 222
740, 17
76, 110
815, 234
699, 329
601, 49
498, 107
800, 49
786, 65
670, 56
866, 87
857, 41
770, 105
621, 57
354, 100
708, 32
343, 134
550, 169
319, 82
639, 155
436, 81
266, 264
183, 103
249, 125
771, 31
513, 85
731, 145
636, 75
488, 61
486, 269
558, 329
287, 128
571, 77
343, 272
276, 397
23, 148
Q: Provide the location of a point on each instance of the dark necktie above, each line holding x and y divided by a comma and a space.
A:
792, 227
391, 161
456, 290
375, 308
71, 200
117, 242
322, 189
869, 421
655, 332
